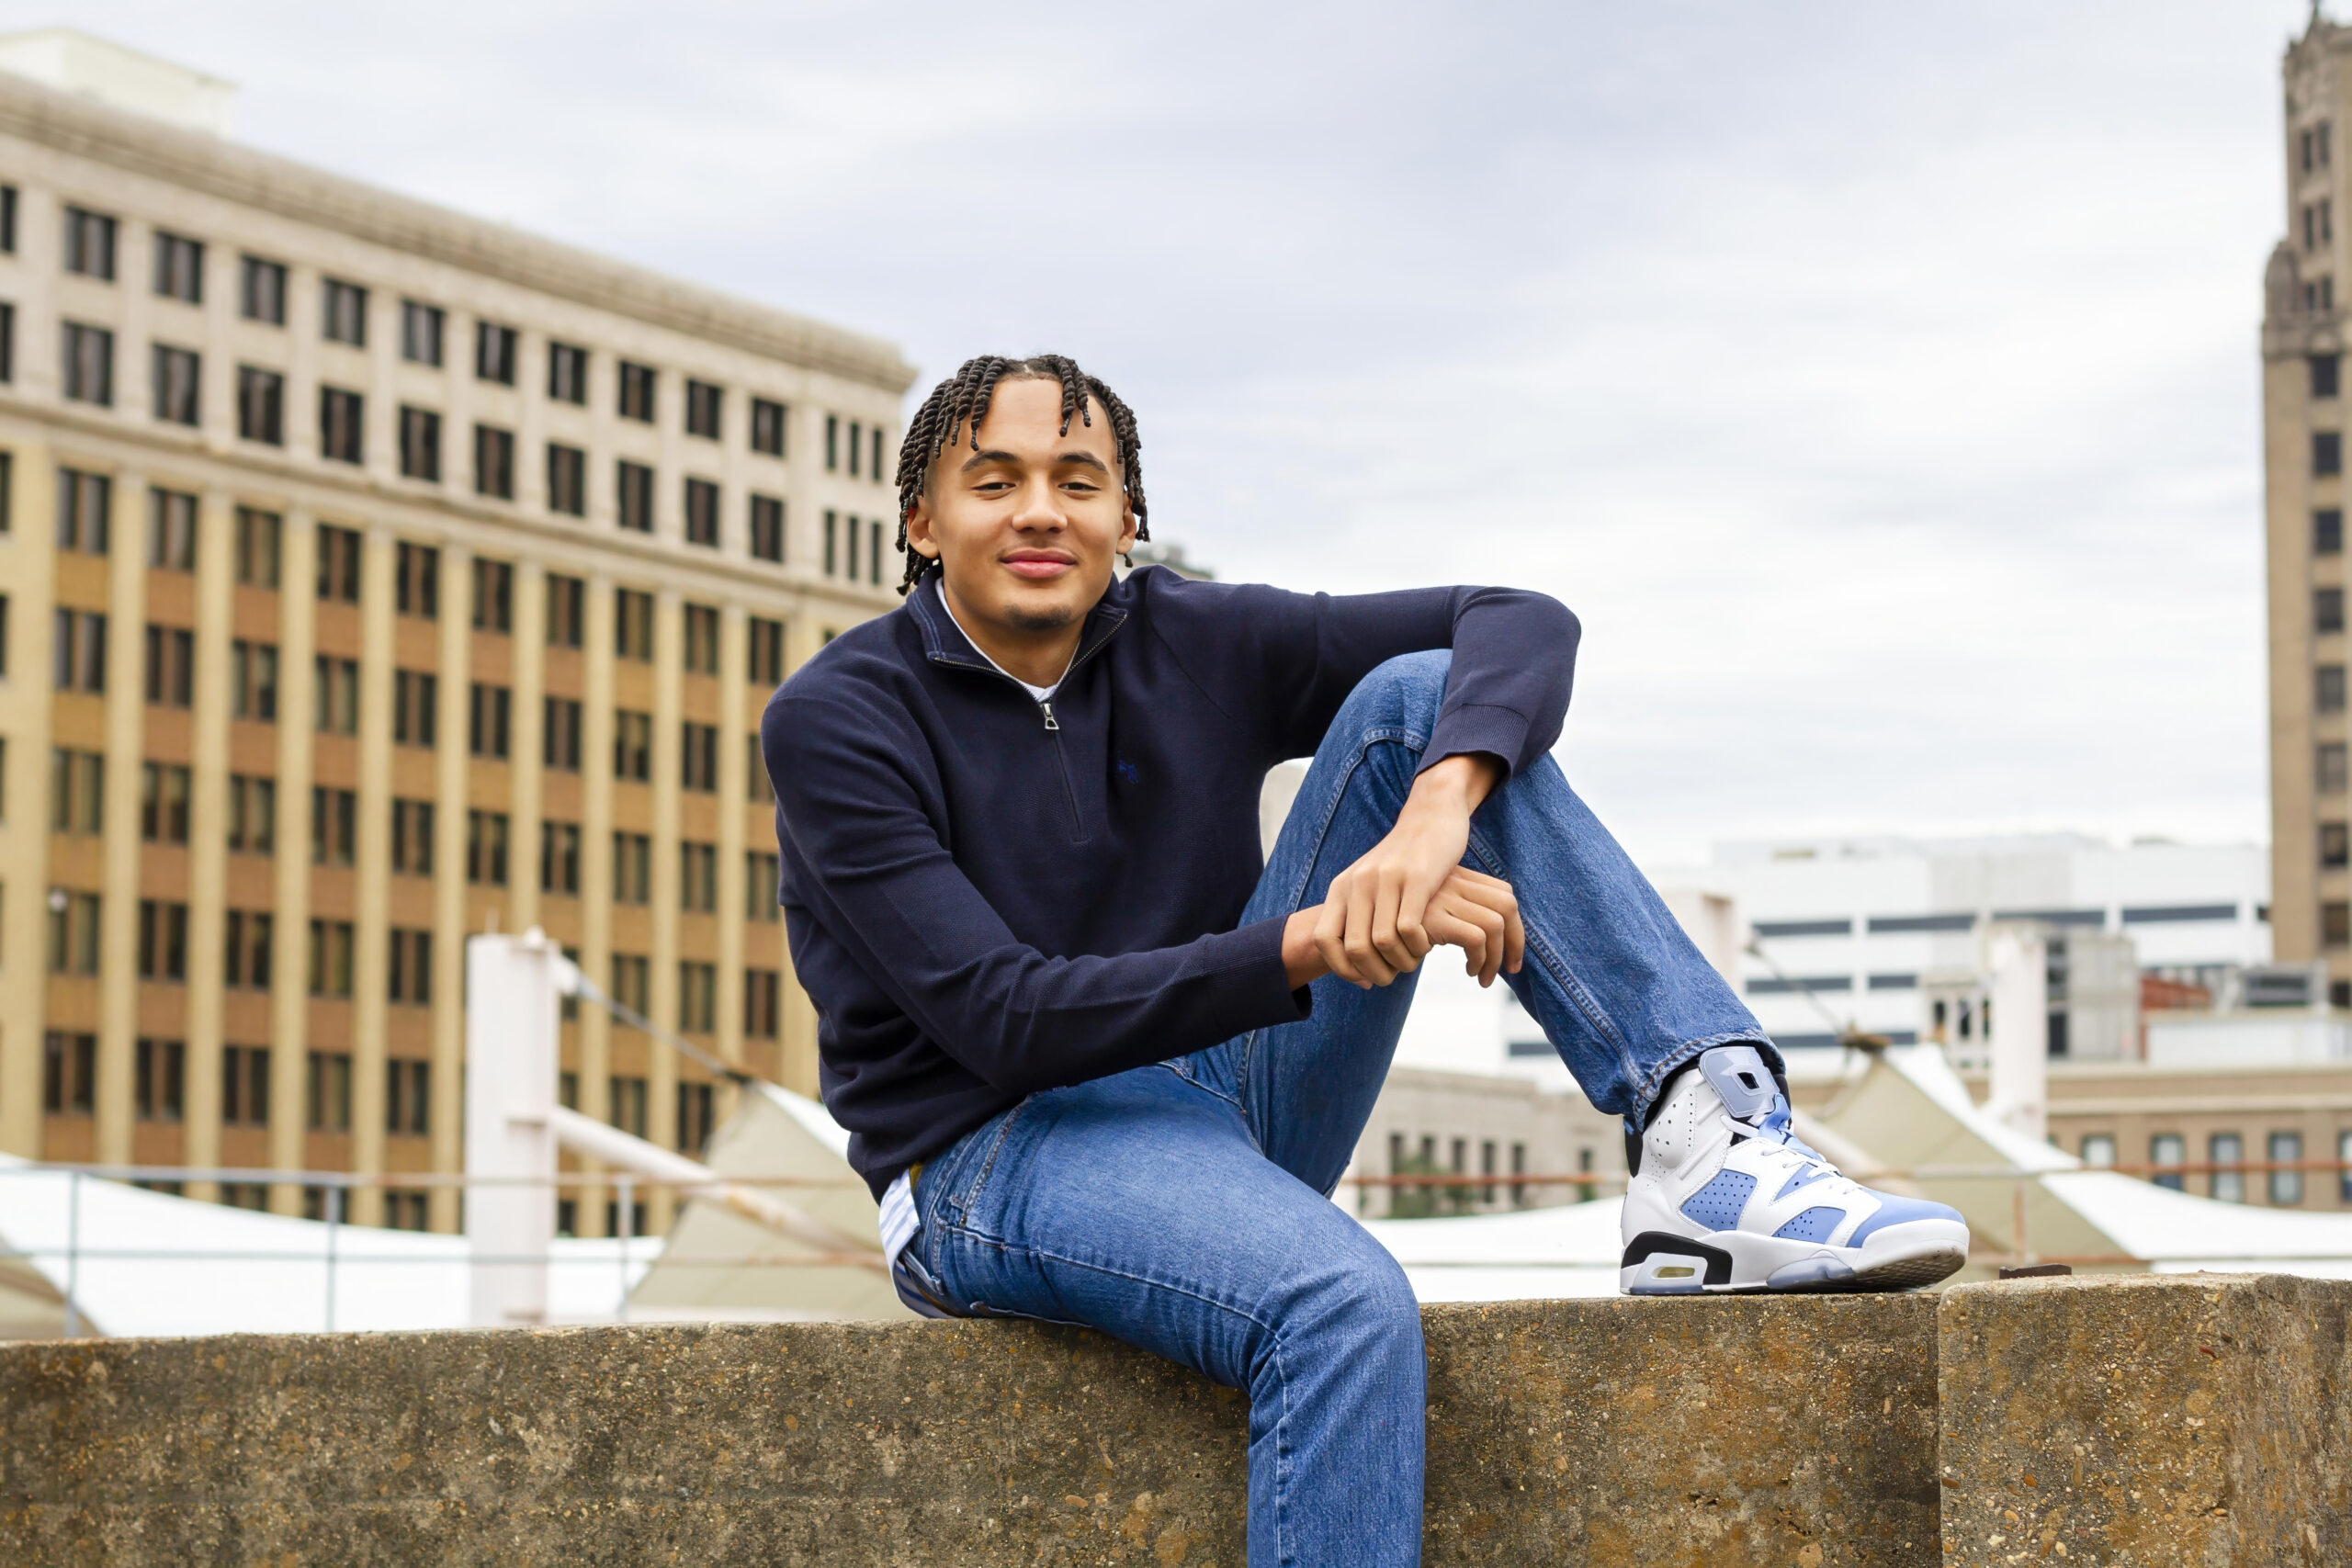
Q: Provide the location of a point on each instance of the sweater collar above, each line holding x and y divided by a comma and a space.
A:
944, 641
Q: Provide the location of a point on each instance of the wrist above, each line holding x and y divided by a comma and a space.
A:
1302, 960
1456, 783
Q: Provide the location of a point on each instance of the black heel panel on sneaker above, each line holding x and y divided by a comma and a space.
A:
1640, 1249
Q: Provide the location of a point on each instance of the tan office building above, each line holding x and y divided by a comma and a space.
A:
374, 575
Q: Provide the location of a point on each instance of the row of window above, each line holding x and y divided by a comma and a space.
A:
85, 526
92, 242
1964, 920
2225, 1150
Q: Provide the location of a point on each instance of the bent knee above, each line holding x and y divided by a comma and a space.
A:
1407, 690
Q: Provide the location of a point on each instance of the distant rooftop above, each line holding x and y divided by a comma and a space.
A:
1750, 852
73, 61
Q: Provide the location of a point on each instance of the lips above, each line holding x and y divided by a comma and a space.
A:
1036, 565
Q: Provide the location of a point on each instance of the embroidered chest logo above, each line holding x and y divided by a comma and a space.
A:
1128, 773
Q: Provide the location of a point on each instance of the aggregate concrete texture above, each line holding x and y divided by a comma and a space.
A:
1723, 1431
2148, 1421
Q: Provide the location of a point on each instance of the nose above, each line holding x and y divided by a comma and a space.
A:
1040, 510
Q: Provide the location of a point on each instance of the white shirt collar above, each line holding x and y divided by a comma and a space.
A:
1037, 693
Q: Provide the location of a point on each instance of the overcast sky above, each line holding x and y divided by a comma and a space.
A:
1878, 383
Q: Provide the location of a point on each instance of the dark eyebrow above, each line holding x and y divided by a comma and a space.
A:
1086, 460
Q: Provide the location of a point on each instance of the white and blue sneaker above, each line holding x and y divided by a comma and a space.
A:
1724, 1197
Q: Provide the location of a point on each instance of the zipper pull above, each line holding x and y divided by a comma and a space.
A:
1047, 709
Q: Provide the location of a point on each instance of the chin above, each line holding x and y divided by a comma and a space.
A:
1044, 618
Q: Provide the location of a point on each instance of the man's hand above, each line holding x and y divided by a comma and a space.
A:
1409, 894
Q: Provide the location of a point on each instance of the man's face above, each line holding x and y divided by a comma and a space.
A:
1027, 526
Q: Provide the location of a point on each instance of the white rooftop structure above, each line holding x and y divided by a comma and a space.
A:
73, 61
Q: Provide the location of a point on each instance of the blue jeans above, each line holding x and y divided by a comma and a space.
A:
1186, 1207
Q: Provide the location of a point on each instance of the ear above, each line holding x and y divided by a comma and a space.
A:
920, 537
1127, 522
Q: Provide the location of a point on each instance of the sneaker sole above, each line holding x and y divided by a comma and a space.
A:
1899, 1258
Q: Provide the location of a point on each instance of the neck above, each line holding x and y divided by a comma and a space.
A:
1040, 656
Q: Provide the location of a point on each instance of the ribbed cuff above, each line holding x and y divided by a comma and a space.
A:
1497, 731
1253, 990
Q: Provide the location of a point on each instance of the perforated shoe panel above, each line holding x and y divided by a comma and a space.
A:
1717, 1205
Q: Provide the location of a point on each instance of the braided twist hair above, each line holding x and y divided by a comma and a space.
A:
958, 404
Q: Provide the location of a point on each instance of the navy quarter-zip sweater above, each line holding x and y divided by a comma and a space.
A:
986, 896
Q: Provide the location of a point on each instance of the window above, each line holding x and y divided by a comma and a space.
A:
407, 1212
856, 440
409, 978
702, 639
84, 511
261, 291
2336, 924
416, 581
632, 869
159, 1080
2344, 1158
72, 933
2167, 1149
334, 826
415, 708
244, 1086
162, 941
875, 470
247, 949
849, 544
697, 996
175, 381
486, 848
767, 427
421, 333
69, 1073
77, 791
631, 986
874, 552
832, 524
633, 625
559, 735
171, 530
567, 480
2285, 1186
493, 462
329, 1092
257, 537
698, 756
766, 640
832, 442
2328, 452
2327, 532
80, 656
89, 365
2330, 768
762, 989
261, 405
2327, 609
634, 486
331, 966
761, 887
559, 857
336, 694
702, 512
2227, 1149
767, 528
179, 268
162, 803
760, 789
628, 1105
2335, 846
2098, 1150
567, 373
408, 1100
89, 243
567, 611
698, 879
494, 352
253, 681
171, 666
9, 218
487, 721
698, 1116
342, 426
252, 815
2325, 368
637, 391
632, 745
420, 444
2327, 683
493, 596
411, 837
338, 563
705, 406
343, 313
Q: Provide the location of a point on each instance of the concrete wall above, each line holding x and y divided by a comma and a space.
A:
1726, 1432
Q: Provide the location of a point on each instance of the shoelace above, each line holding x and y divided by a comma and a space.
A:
1777, 1126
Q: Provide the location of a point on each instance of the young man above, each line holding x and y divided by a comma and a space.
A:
1104, 1068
